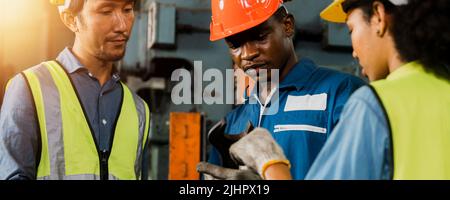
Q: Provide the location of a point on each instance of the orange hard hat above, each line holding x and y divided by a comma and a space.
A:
234, 16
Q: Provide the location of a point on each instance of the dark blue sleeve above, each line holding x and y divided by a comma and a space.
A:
238, 119
214, 157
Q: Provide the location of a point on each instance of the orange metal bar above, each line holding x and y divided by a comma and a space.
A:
185, 141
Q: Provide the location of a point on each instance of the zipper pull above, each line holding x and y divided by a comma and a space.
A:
104, 155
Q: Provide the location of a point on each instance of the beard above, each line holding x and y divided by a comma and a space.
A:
111, 54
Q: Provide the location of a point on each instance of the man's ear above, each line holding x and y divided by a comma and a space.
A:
289, 25
69, 19
379, 18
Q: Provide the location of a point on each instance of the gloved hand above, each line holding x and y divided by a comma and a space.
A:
222, 173
222, 141
258, 150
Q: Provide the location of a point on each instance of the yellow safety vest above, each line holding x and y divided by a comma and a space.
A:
68, 148
417, 104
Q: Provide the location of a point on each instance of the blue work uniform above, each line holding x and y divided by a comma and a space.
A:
310, 101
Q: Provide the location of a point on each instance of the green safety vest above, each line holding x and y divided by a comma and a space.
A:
417, 105
68, 148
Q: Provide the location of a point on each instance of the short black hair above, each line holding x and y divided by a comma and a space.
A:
281, 13
366, 7
420, 30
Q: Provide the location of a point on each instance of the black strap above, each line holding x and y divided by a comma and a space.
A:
386, 116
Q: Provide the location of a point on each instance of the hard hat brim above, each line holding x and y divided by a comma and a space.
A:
237, 30
57, 2
234, 17
334, 12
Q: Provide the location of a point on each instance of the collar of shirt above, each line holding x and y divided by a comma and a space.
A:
72, 65
297, 78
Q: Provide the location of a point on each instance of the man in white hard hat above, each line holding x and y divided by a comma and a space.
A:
72, 118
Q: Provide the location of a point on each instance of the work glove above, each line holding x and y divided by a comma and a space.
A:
222, 141
258, 150
214, 172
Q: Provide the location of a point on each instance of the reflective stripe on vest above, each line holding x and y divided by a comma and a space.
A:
418, 107
68, 148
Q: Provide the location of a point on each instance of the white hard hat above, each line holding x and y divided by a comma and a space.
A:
62, 4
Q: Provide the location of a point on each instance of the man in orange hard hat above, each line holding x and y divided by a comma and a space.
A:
396, 128
259, 37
